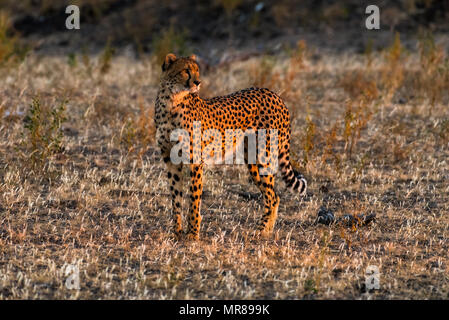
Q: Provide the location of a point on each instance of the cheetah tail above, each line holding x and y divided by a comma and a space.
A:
294, 180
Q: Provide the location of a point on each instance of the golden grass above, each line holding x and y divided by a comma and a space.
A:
106, 205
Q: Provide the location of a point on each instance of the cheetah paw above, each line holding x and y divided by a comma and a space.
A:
263, 234
192, 236
177, 235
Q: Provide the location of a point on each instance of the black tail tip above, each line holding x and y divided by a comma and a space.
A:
303, 189
300, 185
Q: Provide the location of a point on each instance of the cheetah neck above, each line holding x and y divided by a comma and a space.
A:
178, 98
173, 102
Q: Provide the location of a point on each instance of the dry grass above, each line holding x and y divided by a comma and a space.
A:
11, 51
366, 144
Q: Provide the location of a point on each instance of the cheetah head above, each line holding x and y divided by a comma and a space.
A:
181, 75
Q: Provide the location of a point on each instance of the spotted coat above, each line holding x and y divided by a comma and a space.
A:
178, 106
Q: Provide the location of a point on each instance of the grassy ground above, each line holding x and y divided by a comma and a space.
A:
82, 182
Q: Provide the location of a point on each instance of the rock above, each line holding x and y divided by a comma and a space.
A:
325, 216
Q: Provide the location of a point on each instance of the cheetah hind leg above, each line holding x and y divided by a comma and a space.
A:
265, 183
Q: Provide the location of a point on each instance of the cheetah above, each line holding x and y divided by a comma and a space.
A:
178, 106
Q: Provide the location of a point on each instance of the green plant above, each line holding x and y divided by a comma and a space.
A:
169, 40
128, 134
359, 167
11, 51
230, 5
393, 72
310, 286
298, 56
369, 53
296, 65
139, 131
254, 22
106, 57
42, 135
433, 78
355, 120
334, 12
146, 129
86, 61
359, 86
71, 60
400, 151
263, 74
330, 139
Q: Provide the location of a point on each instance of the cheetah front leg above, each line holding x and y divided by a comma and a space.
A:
196, 190
174, 175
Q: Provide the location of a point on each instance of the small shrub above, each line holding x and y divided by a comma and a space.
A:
290, 88
128, 134
369, 53
330, 139
139, 131
106, 57
169, 40
263, 74
359, 86
334, 12
86, 61
310, 286
433, 78
400, 150
71, 60
145, 123
359, 167
393, 72
230, 5
298, 56
42, 135
355, 120
11, 51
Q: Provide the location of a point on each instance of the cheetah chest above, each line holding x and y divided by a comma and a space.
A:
167, 119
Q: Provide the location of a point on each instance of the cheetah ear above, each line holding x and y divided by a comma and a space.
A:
193, 57
169, 59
